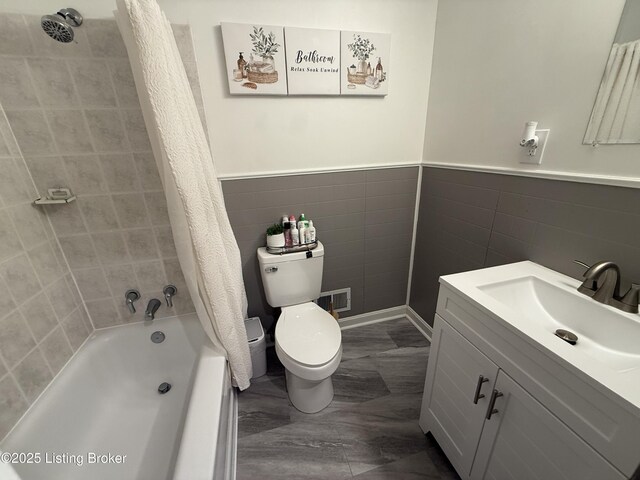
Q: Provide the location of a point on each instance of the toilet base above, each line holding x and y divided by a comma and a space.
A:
309, 396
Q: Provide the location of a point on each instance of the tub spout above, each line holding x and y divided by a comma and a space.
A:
152, 308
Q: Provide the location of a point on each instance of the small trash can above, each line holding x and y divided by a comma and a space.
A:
257, 346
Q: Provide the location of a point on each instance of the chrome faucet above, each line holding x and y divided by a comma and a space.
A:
602, 283
152, 308
130, 297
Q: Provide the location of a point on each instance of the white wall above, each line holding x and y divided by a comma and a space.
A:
499, 63
270, 134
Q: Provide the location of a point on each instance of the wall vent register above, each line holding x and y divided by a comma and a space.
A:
341, 300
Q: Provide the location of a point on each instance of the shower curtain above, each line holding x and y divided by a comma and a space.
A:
616, 113
207, 249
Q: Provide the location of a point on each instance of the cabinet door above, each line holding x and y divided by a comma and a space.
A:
523, 440
450, 409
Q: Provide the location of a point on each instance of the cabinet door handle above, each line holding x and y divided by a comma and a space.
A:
481, 379
492, 403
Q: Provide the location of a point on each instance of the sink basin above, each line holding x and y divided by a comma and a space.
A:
605, 334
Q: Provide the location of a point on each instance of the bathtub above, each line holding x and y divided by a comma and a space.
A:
103, 417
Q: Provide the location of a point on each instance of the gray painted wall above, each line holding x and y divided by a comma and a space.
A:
364, 219
470, 220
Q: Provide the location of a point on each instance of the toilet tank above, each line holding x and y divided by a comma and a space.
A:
291, 278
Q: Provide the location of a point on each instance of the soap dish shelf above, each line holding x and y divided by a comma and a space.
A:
54, 201
297, 248
56, 196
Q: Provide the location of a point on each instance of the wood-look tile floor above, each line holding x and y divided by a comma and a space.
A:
370, 430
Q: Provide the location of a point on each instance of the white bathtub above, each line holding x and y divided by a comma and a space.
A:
106, 401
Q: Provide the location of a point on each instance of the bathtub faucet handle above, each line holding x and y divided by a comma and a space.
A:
130, 297
169, 291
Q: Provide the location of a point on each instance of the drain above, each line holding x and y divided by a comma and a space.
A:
567, 336
157, 337
164, 388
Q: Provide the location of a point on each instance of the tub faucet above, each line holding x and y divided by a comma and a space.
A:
602, 283
152, 308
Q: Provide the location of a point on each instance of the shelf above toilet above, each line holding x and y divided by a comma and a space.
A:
297, 248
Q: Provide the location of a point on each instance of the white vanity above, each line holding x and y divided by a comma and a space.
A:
507, 399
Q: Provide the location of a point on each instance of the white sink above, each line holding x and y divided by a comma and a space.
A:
608, 335
534, 301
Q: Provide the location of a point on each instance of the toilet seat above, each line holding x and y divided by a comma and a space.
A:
308, 335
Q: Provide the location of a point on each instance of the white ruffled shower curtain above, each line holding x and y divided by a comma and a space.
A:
207, 249
616, 113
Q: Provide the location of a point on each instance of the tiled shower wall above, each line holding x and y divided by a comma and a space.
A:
42, 319
363, 218
471, 220
74, 111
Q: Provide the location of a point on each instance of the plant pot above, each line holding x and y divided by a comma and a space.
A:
362, 66
275, 241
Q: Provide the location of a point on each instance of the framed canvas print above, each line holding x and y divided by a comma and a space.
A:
254, 56
313, 61
365, 63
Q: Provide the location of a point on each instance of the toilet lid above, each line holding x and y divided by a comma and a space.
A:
308, 334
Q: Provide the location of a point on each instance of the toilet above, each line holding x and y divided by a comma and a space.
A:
308, 339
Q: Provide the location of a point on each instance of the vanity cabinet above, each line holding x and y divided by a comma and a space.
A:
460, 380
491, 427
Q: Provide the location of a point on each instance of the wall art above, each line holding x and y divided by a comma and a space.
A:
365, 63
255, 59
313, 61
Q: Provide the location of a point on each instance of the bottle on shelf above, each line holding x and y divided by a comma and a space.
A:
288, 239
303, 233
295, 235
301, 228
312, 232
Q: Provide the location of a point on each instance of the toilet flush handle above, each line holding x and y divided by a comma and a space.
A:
271, 269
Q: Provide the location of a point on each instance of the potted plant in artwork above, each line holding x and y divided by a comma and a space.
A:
275, 236
361, 49
265, 47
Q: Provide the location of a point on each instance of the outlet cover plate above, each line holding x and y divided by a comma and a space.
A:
543, 136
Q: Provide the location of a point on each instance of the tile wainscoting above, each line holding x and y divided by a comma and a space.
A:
471, 220
364, 218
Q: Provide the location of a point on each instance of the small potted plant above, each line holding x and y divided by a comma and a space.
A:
275, 236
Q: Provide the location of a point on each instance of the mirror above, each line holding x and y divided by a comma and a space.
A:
615, 118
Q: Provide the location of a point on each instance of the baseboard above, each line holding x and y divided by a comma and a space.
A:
373, 317
419, 322
402, 311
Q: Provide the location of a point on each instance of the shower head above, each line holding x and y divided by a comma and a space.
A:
60, 26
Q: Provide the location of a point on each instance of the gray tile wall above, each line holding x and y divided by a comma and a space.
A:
74, 111
42, 319
364, 219
470, 220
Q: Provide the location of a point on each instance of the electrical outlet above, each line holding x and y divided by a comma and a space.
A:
536, 159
